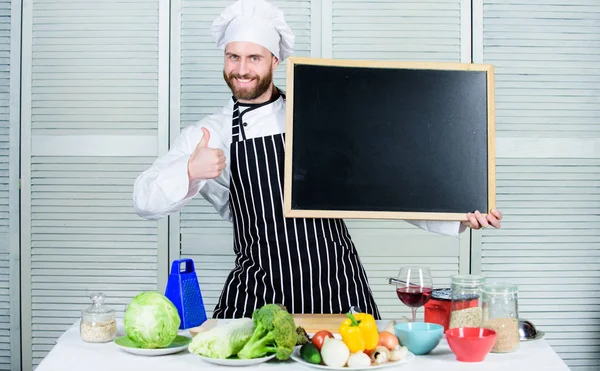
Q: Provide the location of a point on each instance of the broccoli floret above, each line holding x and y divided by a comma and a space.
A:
302, 336
274, 332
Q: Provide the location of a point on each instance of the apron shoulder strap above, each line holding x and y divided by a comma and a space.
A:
236, 129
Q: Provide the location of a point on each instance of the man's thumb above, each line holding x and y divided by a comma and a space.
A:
205, 138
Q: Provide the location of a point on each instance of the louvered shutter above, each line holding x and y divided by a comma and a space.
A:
402, 31
91, 119
205, 237
397, 30
548, 125
9, 188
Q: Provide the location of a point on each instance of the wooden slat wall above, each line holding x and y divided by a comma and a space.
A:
91, 119
413, 30
548, 118
9, 300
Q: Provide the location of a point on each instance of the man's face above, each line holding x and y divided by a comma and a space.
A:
248, 70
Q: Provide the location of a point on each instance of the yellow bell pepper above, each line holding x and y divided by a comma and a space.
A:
359, 332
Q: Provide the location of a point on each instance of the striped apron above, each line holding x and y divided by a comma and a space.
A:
308, 265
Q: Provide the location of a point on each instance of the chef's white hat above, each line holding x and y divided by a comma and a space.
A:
255, 21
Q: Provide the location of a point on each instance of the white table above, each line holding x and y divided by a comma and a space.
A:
72, 353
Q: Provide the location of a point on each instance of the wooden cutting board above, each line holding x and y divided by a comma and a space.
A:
316, 322
310, 322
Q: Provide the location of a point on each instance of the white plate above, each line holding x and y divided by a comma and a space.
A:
236, 362
180, 343
296, 357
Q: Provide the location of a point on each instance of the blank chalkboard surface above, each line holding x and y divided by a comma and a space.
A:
369, 139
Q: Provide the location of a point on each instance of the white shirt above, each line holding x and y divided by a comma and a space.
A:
165, 188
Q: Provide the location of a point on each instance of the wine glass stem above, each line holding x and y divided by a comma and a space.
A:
414, 313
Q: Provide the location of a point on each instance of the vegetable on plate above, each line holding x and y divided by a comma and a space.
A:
302, 337
319, 338
359, 360
151, 321
380, 355
334, 352
310, 353
398, 353
359, 332
224, 340
274, 332
388, 340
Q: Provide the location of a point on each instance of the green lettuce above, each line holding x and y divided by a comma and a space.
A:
224, 340
151, 320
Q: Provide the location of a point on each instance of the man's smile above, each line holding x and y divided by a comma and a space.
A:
244, 81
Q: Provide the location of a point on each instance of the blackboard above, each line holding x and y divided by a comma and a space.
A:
393, 140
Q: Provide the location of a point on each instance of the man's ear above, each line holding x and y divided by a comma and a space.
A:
275, 61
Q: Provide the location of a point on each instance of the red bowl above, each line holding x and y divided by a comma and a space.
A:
471, 344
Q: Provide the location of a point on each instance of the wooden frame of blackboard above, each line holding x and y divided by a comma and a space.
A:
289, 211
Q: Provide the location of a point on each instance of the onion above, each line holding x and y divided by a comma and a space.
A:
388, 340
334, 352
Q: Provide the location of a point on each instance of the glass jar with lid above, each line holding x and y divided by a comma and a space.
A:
98, 324
501, 314
465, 306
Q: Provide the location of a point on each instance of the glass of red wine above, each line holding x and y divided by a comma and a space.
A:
413, 287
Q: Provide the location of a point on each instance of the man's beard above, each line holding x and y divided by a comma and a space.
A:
262, 85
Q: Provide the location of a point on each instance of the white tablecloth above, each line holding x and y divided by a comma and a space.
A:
72, 353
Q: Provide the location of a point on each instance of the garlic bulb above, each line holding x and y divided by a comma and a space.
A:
359, 359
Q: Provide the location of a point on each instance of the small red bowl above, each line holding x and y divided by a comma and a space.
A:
471, 344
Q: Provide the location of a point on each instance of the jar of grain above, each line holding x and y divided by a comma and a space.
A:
501, 314
465, 308
98, 323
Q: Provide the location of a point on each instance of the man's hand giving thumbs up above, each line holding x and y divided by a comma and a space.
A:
205, 162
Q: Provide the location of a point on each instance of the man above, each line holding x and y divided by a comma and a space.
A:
234, 158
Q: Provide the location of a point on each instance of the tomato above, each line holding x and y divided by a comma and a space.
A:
388, 340
319, 338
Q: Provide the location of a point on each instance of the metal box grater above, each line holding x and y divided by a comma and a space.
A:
184, 292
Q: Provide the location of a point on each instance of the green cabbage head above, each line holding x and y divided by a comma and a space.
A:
151, 320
